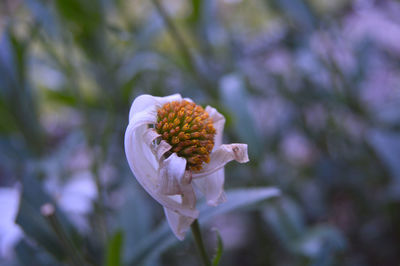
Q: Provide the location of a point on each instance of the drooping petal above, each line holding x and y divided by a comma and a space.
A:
178, 223
212, 187
218, 122
210, 180
221, 156
212, 184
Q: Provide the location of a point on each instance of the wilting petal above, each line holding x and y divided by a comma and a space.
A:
212, 187
221, 156
171, 174
218, 122
210, 180
178, 223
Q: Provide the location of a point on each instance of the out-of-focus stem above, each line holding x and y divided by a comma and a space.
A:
48, 211
183, 48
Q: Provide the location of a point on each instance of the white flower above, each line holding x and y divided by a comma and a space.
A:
10, 232
173, 145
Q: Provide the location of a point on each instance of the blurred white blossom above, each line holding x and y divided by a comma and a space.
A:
10, 232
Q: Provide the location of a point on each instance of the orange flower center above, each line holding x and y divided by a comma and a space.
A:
189, 129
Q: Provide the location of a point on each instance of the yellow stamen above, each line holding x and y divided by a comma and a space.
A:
188, 128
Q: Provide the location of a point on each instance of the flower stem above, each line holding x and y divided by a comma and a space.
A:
48, 211
199, 242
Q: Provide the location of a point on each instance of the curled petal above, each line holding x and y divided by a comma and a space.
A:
150, 135
178, 223
221, 156
161, 149
218, 122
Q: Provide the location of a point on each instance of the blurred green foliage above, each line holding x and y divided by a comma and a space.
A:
311, 86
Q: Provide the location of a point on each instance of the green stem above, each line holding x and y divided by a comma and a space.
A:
199, 242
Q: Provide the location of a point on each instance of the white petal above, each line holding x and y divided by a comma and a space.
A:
221, 156
218, 122
212, 184
161, 149
150, 135
212, 187
178, 223
145, 101
171, 173
174, 180
141, 160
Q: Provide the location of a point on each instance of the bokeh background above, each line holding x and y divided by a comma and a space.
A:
313, 87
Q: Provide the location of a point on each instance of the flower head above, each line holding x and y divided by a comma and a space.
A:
174, 146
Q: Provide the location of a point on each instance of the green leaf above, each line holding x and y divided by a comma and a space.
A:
220, 249
162, 238
7, 122
196, 11
61, 97
114, 250
15, 91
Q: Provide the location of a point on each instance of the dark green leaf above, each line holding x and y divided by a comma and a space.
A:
195, 16
30, 255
